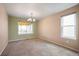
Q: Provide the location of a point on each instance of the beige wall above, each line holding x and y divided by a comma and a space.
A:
3, 28
78, 29
13, 30
49, 29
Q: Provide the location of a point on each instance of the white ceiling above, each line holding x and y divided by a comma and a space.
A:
39, 10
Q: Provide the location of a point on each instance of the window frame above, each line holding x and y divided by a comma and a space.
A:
61, 27
27, 32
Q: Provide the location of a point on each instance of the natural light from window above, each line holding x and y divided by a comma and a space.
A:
25, 29
68, 26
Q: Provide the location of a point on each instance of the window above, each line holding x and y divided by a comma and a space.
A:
25, 29
68, 26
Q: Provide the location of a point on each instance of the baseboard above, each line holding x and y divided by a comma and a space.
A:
67, 47
21, 39
3, 49
53, 42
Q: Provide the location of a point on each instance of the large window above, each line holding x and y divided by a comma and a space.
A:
25, 29
68, 26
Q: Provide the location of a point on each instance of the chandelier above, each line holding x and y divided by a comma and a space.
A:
28, 21
31, 18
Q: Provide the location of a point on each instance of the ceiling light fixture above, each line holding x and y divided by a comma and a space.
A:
31, 19
28, 21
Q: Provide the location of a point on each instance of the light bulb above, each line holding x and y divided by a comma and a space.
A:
29, 19
34, 19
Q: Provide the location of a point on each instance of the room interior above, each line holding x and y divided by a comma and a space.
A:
39, 29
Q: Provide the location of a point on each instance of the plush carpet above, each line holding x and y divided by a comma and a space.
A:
36, 47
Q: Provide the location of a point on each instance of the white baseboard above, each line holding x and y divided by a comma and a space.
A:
21, 39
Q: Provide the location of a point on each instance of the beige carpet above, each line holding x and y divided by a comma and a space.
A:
36, 48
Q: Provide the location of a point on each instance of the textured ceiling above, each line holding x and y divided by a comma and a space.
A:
39, 10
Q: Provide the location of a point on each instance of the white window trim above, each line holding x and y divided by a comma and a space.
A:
69, 25
20, 33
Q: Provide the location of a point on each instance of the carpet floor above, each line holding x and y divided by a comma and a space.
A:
36, 48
